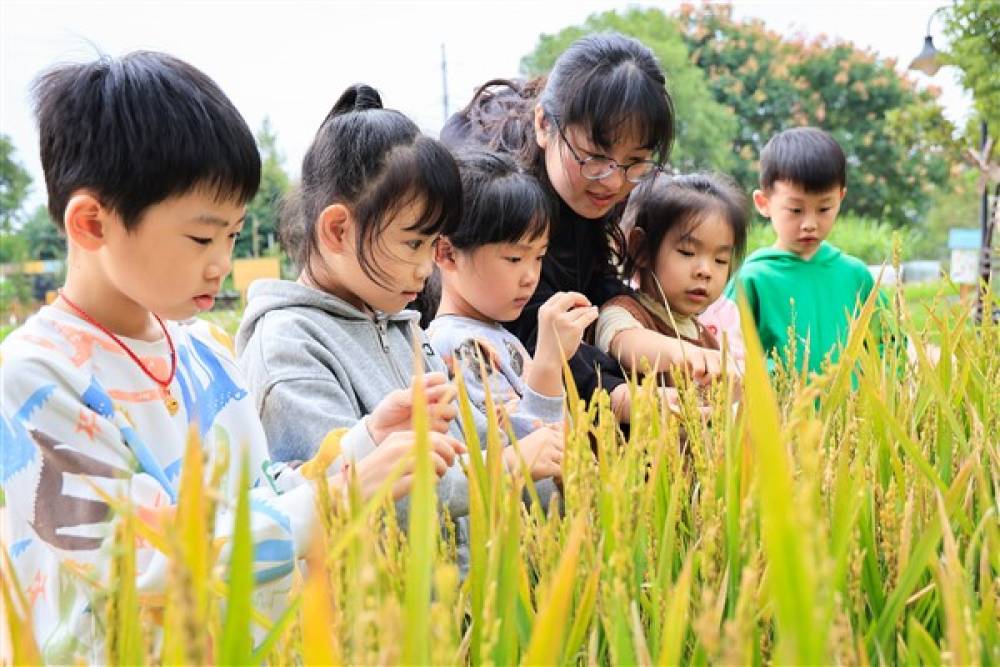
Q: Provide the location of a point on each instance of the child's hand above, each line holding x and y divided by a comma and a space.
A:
398, 446
621, 403
395, 411
706, 365
542, 451
672, 398
561, 323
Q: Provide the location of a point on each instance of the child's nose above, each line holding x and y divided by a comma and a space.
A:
220, 265
425, 267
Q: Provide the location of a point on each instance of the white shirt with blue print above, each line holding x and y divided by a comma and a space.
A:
77, 411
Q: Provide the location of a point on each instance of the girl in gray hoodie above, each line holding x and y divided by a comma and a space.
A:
335, 348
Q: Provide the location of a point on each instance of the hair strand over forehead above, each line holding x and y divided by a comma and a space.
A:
665, 203
376, 162
501, 203
805, 156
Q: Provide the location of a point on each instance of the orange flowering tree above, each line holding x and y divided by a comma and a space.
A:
898, 143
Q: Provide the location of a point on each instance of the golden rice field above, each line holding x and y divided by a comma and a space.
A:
849, 520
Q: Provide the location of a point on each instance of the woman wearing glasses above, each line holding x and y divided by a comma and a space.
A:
601, 123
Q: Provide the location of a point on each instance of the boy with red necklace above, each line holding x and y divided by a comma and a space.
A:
148, 168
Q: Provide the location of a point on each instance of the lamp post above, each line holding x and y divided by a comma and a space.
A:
929, 62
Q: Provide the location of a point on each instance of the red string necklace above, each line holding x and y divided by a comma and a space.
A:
168, 399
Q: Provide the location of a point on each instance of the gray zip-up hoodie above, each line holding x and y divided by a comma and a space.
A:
314, 363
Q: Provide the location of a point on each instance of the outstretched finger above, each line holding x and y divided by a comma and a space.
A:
440, 465
446, 446
584, 316
429, 379
402, 398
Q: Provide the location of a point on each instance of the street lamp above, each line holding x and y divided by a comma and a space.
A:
929, 61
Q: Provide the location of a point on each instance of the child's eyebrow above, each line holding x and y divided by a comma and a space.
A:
209, 219
527, 247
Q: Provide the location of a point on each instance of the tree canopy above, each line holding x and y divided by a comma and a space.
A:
704, 128
736, 84
973, 29
15, 183
260, 232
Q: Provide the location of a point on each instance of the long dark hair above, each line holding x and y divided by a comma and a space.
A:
375, 161
608, 84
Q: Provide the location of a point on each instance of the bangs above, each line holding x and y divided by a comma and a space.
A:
423, 172
500, 202
815, 174
509, 213
139, 130
623, 105
806, 156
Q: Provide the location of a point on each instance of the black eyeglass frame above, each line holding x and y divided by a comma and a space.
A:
612, 165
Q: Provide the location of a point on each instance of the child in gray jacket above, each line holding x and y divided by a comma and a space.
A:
335, 347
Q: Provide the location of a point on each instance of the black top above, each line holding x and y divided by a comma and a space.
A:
578, 260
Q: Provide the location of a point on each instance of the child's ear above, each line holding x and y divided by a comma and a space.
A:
762, 203
541, 127
636, 238
333, 228
843, 192
84, 220
444, 253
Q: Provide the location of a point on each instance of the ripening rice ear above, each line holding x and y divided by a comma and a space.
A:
333, 228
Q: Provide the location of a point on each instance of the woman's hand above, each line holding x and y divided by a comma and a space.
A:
621, 403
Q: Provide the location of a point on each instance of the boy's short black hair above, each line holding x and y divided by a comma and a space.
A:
137, 130
806, 156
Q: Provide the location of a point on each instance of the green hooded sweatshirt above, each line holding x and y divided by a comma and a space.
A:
819, 296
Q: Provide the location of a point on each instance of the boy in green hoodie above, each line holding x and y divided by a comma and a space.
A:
802, 283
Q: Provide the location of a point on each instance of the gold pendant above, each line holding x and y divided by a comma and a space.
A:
172, 404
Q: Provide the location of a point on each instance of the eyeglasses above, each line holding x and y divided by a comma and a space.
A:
595, 168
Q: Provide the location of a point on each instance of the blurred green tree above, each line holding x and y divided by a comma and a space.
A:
260, 232
705, 128
774, 83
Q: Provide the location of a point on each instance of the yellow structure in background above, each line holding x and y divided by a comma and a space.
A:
249, 269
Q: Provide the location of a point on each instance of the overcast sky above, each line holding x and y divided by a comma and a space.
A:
290, 60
